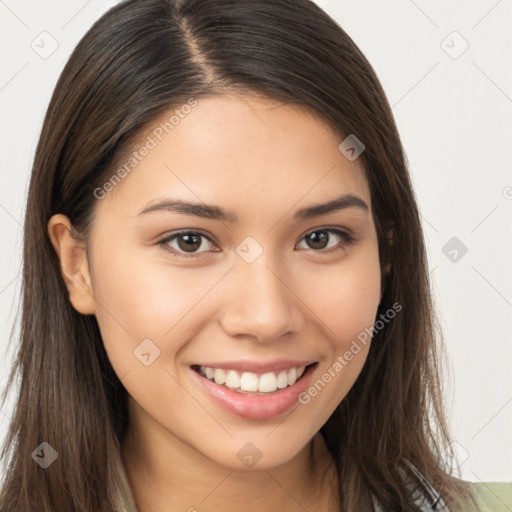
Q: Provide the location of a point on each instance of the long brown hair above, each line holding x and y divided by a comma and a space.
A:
137, 61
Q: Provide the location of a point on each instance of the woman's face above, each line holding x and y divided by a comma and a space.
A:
262, 280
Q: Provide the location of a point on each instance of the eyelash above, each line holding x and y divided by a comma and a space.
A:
346, 238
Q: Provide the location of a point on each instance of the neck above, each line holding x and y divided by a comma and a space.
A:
166, 474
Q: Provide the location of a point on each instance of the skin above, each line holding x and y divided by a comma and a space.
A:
294, 301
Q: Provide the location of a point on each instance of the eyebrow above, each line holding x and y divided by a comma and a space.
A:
215, 212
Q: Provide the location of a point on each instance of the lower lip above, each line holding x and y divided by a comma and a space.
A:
256, 407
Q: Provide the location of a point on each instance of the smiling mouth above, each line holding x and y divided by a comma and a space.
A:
250, 383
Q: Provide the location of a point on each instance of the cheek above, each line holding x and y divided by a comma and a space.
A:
139, 297
345, 300
345, 297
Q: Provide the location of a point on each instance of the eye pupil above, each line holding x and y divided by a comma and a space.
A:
193, 242
319, 239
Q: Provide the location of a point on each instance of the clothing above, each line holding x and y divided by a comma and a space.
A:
128, 504
425, 496
489, 497
493, 497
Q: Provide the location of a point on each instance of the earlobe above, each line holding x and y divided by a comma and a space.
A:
74, 265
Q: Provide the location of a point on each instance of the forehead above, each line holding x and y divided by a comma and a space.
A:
241, 152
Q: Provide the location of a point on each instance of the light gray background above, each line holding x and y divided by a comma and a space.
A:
453, 110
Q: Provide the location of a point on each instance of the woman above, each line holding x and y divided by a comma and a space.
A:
226, 301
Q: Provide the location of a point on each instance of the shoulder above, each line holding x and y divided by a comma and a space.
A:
485, 496
492, 496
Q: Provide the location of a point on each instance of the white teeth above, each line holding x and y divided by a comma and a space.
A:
282, 379
250, 382
232, 379
292, 376
268, 382
219, 376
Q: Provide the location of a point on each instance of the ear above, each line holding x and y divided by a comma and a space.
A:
74, 266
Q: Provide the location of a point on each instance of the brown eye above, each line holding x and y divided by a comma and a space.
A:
318, 239
321, 239
186, 244
190, 242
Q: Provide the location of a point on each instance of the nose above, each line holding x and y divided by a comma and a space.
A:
262, 304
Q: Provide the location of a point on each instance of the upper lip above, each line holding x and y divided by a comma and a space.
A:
258, 366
